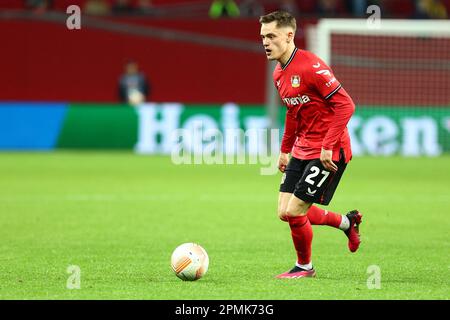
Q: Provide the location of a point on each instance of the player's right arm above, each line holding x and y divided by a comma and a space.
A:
283, 160
289, 136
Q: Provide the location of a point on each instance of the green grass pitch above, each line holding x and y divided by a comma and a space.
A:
118, 216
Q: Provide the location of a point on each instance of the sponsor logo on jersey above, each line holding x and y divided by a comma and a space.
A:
295, 101
295, 81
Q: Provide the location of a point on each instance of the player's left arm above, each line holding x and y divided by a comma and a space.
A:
339, 100
344, 108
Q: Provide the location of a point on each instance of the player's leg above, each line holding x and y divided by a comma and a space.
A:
289, 179
302, 235
349, 223
318, 186
321, 217
283, 200
289, 209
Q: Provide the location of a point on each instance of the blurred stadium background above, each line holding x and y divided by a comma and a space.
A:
204, 62
195, 57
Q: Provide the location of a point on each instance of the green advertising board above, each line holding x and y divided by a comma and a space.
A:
93, 126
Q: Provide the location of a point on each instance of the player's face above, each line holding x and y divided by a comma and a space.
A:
275, 40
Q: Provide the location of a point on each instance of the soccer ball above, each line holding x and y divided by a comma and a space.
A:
189, 261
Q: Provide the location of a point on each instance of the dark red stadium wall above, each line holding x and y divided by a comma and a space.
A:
45, 61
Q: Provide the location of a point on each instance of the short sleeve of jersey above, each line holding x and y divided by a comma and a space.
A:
321, 77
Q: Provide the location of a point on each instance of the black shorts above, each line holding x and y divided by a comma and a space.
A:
309, 181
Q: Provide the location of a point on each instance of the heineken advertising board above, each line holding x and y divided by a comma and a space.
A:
230, 128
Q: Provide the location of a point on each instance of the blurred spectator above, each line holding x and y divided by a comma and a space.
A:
430, 9
223, 8
97, 7
39, 5
251, 8
122, 6
358, 8
145, 6
327, 7
331, 8
134, 87
289, 6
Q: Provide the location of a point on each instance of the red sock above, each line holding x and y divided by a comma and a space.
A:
319, 216
302, 235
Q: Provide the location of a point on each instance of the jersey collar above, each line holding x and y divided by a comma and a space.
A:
290, 59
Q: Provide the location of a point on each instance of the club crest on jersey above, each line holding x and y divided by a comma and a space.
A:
295, 81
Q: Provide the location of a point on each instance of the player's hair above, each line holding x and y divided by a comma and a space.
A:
283, 19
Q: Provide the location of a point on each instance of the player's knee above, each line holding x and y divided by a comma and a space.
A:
298, 209
282, 214
294, 213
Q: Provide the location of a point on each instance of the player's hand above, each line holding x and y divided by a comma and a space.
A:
283, 160
326, 157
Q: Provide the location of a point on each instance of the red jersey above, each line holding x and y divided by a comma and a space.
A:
318, 108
